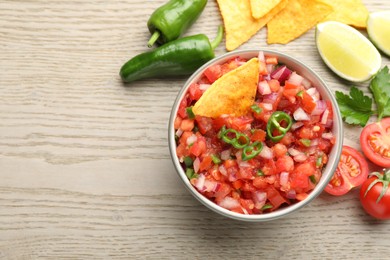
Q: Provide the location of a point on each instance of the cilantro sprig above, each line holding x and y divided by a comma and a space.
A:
356, 108
380, 88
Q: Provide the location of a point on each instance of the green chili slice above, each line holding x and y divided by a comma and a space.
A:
313, 179
235, 138
215, 159
256, 109
305, 142
251, 151
188, 161
275, 125
190, 113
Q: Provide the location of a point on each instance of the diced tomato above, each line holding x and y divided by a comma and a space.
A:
206, 163
187, 124
194, 91
262, 68
275, 198
237, 184
269, 168
279, 150
199, 147
271, 60
260, 182
204, 124
290, 91
182, 108
213, 73
308, 168
258, 135
274, 85
308, 103
284, 164
177, 123
299, 180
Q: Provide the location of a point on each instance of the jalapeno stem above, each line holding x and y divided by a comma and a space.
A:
218, 38
153, 38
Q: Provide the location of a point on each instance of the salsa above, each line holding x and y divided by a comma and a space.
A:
272, 156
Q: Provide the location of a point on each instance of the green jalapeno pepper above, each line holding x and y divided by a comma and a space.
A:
274, 123
233, 137
172, 19
251, 151
176, 58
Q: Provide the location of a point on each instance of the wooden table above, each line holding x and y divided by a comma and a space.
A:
84, 164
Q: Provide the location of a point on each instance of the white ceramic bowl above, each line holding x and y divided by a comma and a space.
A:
334, 155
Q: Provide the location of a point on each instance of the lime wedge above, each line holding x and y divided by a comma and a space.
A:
378, 29
347, 52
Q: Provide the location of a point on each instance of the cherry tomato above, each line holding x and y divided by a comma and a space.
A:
375, 142
351, 171
373, 201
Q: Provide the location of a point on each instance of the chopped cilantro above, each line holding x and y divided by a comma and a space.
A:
355, 108
380, 87
256, 109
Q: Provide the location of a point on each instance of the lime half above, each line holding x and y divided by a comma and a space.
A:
347, 52
378, 29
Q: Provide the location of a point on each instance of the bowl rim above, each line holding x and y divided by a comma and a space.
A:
330, 167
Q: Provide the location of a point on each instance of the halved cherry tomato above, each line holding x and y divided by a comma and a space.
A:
375, 142
351, 171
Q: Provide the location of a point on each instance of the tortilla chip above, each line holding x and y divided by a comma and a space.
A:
351, 12
260, 8
295, 19
231, 94
239, 24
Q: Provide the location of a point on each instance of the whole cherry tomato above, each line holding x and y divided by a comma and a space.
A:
375, 195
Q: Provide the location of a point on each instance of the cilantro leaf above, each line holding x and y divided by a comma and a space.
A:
355, 108
380, 88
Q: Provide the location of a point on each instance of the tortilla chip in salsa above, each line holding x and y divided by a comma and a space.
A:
232, 94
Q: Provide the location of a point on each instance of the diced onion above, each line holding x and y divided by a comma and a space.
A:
300, 157
179, 132
199, 184
291, 194
266, 152
244, 164
229, 203
324, 117
300, 115
259, 198
313, 92
327, 136
293, 151
295, 79
192, 139
296, 125
196, 164
264, 88
267, 106
320, 107
306, 83
281, 74
261, 56
222, 170
203, 87
284, 178
270, 98
270, 68
225, 155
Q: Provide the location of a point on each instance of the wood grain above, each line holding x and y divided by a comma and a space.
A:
84, 164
